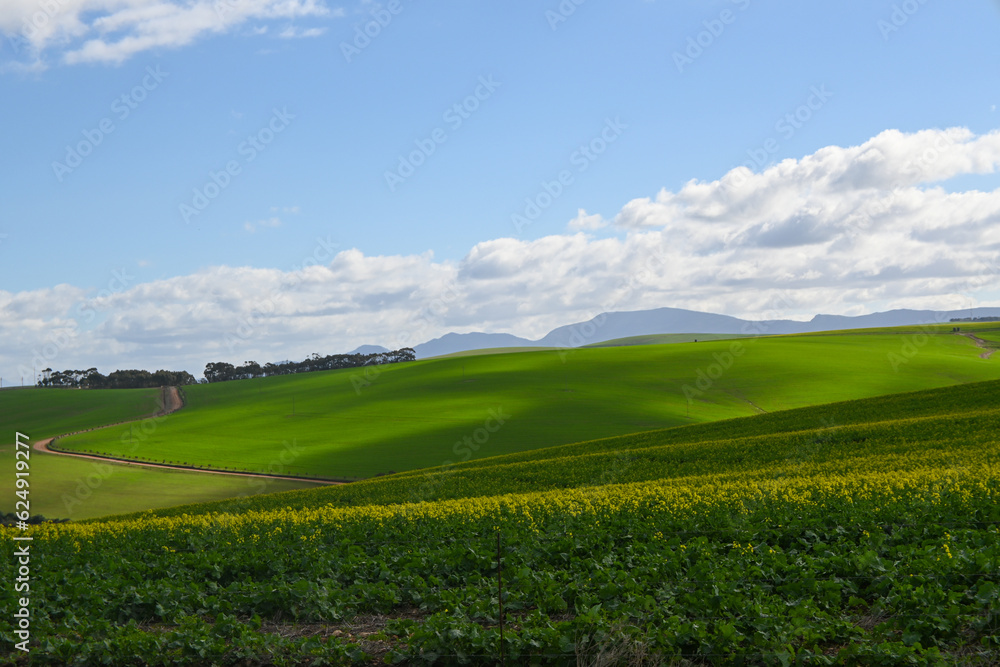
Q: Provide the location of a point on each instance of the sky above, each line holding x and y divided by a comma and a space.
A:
188, 181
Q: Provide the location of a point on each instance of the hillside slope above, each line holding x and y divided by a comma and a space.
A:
356, 424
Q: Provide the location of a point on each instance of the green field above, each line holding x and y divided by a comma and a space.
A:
945, 427
348, 425
666, 339
992, 337
491, 350
70, 488
43, 413
857, 533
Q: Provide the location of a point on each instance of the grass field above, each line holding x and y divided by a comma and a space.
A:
992, 337
666, 339
43, 413
853, 533
491, 350
69, 488
346, 424
949, 427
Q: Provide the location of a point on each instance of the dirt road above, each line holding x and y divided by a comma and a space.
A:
982, 344
170, 401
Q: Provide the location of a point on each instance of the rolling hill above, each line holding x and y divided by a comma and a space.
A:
355, 424
860, 532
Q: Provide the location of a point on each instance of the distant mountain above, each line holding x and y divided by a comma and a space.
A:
454, 342
610, 326
895, 318
369, 349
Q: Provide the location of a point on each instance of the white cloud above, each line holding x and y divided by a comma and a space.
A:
112, 31
252, 227
842, 231
292, 32
584, 222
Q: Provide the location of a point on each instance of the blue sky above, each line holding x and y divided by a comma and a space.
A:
203, 81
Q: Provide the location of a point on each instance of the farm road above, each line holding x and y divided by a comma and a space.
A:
170, 401
989, 348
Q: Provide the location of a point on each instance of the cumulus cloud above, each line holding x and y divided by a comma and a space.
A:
112, 31
843, 231
584, 222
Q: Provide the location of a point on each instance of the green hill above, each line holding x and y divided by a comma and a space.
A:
349, 425
65, 487
43, 413
895, 432
861, 532
666, 339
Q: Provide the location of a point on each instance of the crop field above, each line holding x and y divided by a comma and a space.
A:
43, 413
865, 532
71, 488
356, 424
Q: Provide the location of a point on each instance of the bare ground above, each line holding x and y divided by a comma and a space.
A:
980, 343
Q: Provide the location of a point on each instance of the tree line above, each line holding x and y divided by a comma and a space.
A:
124, 379
216, 371
221, 371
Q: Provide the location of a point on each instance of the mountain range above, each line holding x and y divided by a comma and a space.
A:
610, 326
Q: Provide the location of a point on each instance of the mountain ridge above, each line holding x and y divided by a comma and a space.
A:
623, 324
